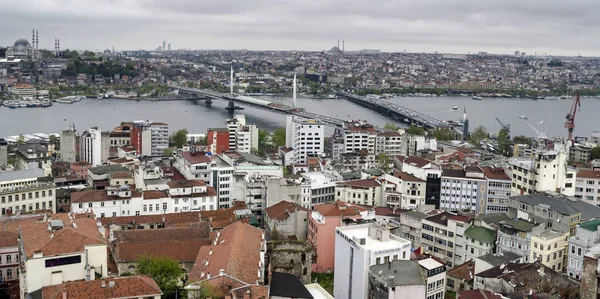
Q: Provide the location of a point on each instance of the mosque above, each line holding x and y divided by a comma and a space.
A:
24, 50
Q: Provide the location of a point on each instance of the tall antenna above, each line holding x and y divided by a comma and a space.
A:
294, 93
231, 80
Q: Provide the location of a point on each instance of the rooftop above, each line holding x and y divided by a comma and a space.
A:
465, 271
186, 184
497, 260
361, 231
479, 294
282, 210
591, 225
442, 218
287, 286
561, 205
480, 234
406, 177
416, 161
8, 239
518, 224
551, 235
122, 287
21, 174
430, 264
338, 208
366, 183
100, 170
588, 174
403, 273
493, 173
195, 157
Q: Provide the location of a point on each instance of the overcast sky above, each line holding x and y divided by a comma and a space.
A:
555, 27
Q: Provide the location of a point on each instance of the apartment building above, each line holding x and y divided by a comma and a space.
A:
404, 191
515, 236
149, 138
587, 236
318, 187
442, 236
410, 226
218, 140
357, 248
389, 143
463, 190
546, 172
550, 249
587, 186
358, 135
366, 192
479, 241
181, 196
308, 139
323, 221
397, 280
27, 190
425, 170
9, 256
498, 190
435, 273
94, 146
242, 137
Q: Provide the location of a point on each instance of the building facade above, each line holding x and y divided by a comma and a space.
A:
308, 139
463, 190
587, 186
26, 190
94, 146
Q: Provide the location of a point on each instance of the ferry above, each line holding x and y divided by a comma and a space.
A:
455, 108
64, 101
477, 98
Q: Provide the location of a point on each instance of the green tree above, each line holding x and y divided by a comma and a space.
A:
278, 137
596, 153
390, 126
205, 290
414, 130
21, 139
504, 142
179, 138
384, 162
203, 141
479, 134
165, 271
263, 138
167, 152
443, 135
522, 140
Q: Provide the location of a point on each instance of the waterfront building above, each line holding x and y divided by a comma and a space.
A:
94, 146
26, 190
218, 140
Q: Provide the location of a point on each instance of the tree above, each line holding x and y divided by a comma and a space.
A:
443, 135
179, 138
596, 153
165, 271
21, 139
202, 141
414, 130
278, 137
479, 134
203, 291
384, 162
522, 140
504, 142
390, 126
263, 138
167, 152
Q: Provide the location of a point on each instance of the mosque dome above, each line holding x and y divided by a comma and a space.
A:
21, 42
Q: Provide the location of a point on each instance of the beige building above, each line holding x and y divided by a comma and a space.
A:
362, 192
550, 248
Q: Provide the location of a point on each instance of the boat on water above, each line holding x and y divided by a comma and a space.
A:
46, 103
22, 104
476, 98
524, 116
455, 108
64, 101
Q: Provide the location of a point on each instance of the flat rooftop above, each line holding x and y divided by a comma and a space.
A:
362, 232
400, 273
430, 264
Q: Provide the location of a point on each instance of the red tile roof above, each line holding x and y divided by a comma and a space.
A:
92, 196
466, 271
588, 174
186, 184
282, 210
222, 218
37, 237
124, 287
416, 161
196, 157
338, 208
495, 173
406, 177
8, 239
237, 252
186, 219
151, 194
254, 292
366, 183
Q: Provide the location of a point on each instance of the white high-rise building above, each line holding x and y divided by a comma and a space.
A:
357, 248
94, 146
359, 135
242, 137
308, 139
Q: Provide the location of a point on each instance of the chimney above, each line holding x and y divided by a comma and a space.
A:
111, 284
247, 294
64, 293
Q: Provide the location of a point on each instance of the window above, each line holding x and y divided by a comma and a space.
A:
579, 251
9, 259
101, 215
9, 273
164, 206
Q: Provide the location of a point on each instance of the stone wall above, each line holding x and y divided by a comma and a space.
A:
290, 256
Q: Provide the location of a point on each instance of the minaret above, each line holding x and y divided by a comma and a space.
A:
343, 48
294, 92
465, 125
289, 120
231, 81
32, 44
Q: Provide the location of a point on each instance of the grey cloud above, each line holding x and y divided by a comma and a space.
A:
553, 26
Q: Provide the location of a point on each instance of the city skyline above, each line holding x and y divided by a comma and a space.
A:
549, 27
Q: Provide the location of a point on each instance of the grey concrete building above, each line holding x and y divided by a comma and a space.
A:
587, 236
3, 153
68, 141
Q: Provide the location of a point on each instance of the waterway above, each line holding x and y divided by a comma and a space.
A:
196, 117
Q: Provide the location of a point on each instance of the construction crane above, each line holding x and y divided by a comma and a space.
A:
504, 126
570, 123
541, 135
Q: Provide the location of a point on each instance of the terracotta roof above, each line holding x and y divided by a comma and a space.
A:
254, 292
465, 271
8, 239
152, 194
442, 218
181, 251
406, 177
588, 174
173, 173
366, 183
286, 149
124, 287
337, 209
495, 173
237, 252
210, 191
186, 219
92, 196
282, 210
121, 175
195, 158
186, 184
65, 240
165, 234
416, 161
81, 163
222, 218
388, 212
